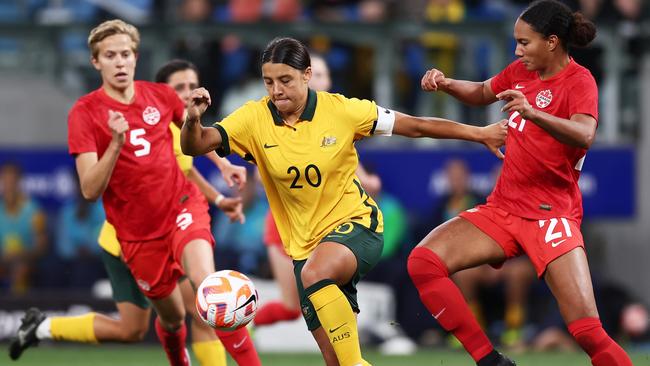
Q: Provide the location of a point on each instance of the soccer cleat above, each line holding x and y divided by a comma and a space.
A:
504, 361
495, 358
26, 335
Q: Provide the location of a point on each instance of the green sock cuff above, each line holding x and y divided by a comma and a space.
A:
317, 286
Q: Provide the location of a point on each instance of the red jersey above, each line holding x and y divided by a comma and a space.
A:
144, 190
539, 179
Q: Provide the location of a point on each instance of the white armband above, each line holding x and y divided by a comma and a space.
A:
385, 122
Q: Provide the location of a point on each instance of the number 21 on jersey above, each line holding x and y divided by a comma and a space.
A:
511, 122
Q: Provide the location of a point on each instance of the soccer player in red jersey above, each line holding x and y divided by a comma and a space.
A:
536, 206
123, 152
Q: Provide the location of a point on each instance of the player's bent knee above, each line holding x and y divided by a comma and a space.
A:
424, 265
134, 335
311, 275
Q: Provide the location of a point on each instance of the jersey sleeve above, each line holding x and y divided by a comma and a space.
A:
503, 80
237, 131
363, 115
585, 99
81, 137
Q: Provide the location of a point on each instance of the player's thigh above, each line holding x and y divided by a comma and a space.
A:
170, 309
569, 279
198, 260
462, 245
333, 261
282, 267
325, 347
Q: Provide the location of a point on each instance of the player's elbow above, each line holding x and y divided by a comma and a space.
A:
90, 196
188, 148
588, 139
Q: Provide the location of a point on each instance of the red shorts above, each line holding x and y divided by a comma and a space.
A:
542, 240
156, 264
271, 233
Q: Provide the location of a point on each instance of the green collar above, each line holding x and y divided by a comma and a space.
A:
307, 114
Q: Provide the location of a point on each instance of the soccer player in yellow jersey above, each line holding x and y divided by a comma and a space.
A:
132, 305
303, 143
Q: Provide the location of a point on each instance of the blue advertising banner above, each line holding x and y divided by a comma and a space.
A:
415, 177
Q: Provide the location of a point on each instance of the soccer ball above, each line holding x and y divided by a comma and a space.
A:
226, 300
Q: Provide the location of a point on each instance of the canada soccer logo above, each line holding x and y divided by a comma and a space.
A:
544, 98
151, 116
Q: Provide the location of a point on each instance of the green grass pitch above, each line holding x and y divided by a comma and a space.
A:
139, 355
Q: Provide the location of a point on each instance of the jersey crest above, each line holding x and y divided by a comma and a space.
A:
544, 98
151, 116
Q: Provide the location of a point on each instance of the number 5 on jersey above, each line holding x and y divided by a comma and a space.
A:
136, 139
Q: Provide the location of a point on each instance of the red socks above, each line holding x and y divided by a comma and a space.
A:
240, 346
273, 312
445, 301
591, 336
174, 344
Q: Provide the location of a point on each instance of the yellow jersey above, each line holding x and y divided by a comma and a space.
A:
107, 236
308, 170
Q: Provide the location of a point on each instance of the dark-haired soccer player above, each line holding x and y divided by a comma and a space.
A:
536, 206
303, 143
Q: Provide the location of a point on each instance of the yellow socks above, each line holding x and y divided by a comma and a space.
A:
74, 328
338, 321
514, 316
210, 353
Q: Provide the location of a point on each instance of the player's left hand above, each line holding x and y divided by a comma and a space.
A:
516, 102
234, 174
233, 208
494, 136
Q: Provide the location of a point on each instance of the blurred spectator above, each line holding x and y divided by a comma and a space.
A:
390, 269
460, 197
622, 315
367, 11
248, 11
79, 224
239, 246
195, 11
23, 237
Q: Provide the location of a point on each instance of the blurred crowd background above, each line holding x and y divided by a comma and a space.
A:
376, 49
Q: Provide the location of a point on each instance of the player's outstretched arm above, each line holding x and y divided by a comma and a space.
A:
232, 207
231, 173
196, 139
492, 136
95, 173
468, 92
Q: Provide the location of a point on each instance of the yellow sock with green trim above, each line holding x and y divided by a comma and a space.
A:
210, 353
74, 328
338, 321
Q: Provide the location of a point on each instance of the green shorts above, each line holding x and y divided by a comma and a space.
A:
366, 246
125, 289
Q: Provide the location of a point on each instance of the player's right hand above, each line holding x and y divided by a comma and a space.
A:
199, 102
118, 126
434, 80
233, 208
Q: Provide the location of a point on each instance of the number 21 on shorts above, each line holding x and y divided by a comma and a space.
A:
556, 234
